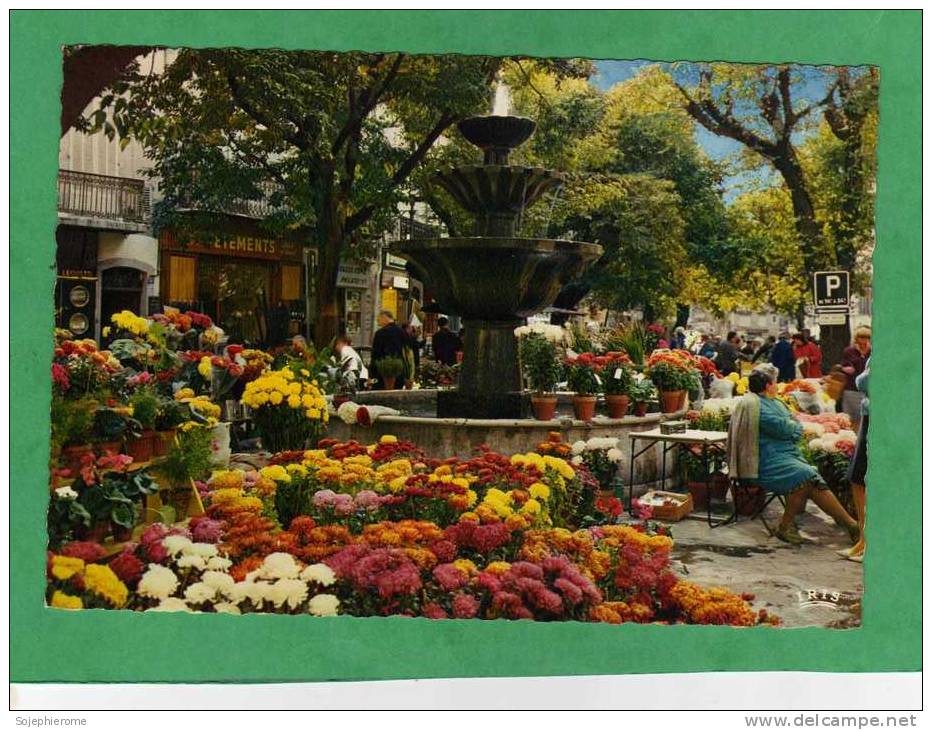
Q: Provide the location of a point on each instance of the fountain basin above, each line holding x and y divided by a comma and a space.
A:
499, 279
443, 437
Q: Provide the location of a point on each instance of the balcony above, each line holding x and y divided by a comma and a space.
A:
103, 201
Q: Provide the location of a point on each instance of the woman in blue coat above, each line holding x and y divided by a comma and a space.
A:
781, 468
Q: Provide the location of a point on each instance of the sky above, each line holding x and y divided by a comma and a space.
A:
813, 87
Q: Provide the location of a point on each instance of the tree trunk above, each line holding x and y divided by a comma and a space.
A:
330, 230
833, 340
803, 211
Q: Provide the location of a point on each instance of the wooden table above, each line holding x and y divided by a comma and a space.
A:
710, 441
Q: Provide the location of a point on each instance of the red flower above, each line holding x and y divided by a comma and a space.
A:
128, 567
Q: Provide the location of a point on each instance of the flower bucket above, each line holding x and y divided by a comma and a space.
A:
671, 401
584, 407
220, 444
544, 407
71, 456
617, 405
640, 409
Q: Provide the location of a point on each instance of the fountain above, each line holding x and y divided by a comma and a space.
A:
493, 279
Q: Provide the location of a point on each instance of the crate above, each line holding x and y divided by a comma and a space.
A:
668, 427
682, 505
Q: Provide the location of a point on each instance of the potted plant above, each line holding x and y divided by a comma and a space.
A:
113, 424
67, 517
541, 369
112, 495
287, 409
671, 371
189, 457
390, 369
171, 414
583, 379
72, 426
616, 382
641, 392
145, 405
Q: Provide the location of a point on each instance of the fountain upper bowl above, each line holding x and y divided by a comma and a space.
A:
497, 131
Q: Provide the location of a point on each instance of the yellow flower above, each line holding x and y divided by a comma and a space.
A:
64, 567
101, 580
388, 439
275, 397
532, 506
305, 373
498, 567
298, 469
106, 333
276, 473
539, 490
205, 368
184, 393
63, 600
294, 401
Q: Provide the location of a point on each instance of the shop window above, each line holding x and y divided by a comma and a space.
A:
181, 279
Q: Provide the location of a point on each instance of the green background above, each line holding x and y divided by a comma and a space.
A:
50, 645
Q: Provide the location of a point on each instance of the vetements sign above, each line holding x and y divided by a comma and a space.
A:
831, 290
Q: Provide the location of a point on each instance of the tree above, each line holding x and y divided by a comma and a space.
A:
329, 140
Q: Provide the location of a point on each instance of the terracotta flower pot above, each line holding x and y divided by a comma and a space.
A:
71, 456
640, 409
107, 447
544, 407
671, 401
617, 405
389, 382
141, 448
699, 493
121, 534
162, 442
584, 407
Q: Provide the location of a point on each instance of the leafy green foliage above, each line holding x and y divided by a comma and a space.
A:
539, 363
189, 457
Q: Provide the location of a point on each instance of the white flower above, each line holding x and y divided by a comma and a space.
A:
577, 460
227, 608
172, 605
279, 565
324, 604
347, 412
257, 592
175, 543
203, 549
157, 582
847, 435
219, 563
191, 561
287, 590
578, 447
66, 493
200, 593
614, 455
318, 573
238, 592
217, 580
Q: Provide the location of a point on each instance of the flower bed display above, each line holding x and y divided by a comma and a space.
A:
379, 529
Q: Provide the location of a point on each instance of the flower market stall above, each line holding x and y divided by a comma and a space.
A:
322, 526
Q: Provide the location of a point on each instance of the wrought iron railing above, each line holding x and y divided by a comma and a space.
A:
410, 228
102, 196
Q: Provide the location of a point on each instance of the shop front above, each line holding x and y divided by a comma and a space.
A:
401, 294
252, 286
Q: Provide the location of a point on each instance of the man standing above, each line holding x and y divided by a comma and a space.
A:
727, 354
351, 365
388, 341
782, 358
763, 352
445, 343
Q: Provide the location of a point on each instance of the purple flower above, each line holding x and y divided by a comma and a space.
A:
325, 498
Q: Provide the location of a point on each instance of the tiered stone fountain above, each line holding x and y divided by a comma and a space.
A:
494, 280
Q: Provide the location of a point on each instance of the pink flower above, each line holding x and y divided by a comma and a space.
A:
89, 552
434, 611
465, 606
449, 577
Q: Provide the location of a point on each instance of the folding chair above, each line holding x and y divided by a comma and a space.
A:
745, 485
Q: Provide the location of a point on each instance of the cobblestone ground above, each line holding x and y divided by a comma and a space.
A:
743, 557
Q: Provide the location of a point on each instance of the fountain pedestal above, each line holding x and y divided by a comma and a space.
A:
490, 380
